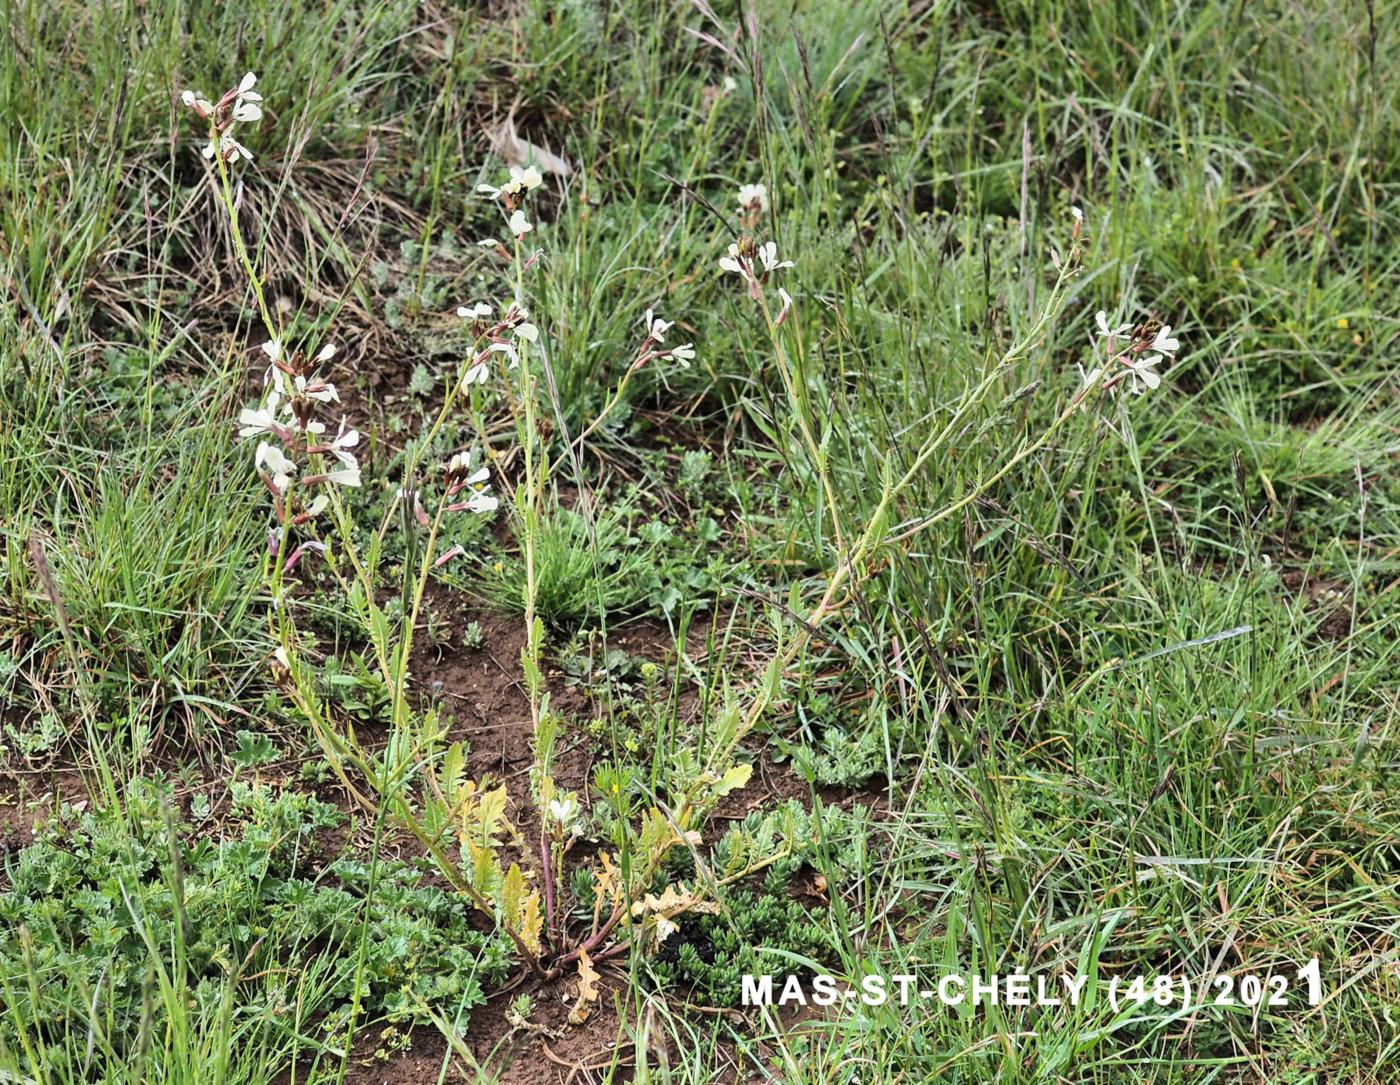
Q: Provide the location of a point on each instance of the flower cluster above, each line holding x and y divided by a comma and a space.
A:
753, 203
756, 264
514, 325
512, 194
241, 105
752, 261
513, 191
1132, 354
653, 345
463, 490
459, 478
291, 434
498, 336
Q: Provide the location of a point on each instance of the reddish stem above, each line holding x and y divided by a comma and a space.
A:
596, 940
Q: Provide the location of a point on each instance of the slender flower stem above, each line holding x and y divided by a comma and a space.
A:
798, 394
240, 248
547, 853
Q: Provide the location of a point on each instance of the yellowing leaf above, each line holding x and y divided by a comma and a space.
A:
587, 989
512, 896
660, 911
735, 778
491, 813
607, 882
520, 910
486, 870
531, 922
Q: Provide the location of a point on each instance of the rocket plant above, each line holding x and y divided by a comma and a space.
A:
305, 456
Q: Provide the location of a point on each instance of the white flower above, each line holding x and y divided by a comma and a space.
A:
754, 197
1077, 213
479, 311
457, 479
233, 150
348, 475
273, 349
519, 224
489, 243
345, 439
229, 148
1141, 373
684, 354
317, 506
459, 462
508, 349
1101, 319
656, 327
522, 180
477, 374
786, 299
245, 102
768, 254
527, 332
563, 810
320, 391
326, 353
271, 458
734, 262
263, 420
201, 105
1165, 343
280, 655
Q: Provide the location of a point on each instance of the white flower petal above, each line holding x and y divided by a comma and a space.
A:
1164, 341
